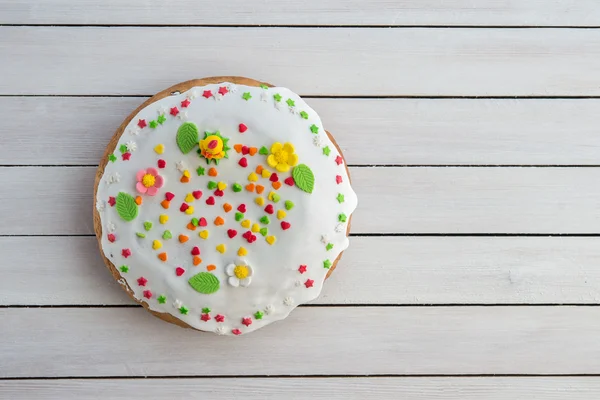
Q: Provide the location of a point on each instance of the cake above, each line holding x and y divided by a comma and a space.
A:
221, 204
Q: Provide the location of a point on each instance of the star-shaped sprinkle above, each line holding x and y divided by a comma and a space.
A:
223, 90
185, 103
340, 198
161, 119
125, 156
142, 281
124, 269
183, 116
142, 123
123, 148
340, 228
220, 330
200, 171
174, 111
342, 217
277, 97
326, 150
246, 96
232, 88
314, 128
131, 146
206, 310
153, 124
147, 294
180, 166
324, 239
162, 299
162, 110
263, 86
125, 253
247, 321
339, 160
329, 246
269, 309
290, 103
302, 269
258, 315
205, 317
112, 157
184, 310
309, 283
288, 301
326, 264
177, 303
207, 93
236, 331
338, 179
304, 114
220, 318
111, 201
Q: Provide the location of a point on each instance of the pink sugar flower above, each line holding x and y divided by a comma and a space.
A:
148, 181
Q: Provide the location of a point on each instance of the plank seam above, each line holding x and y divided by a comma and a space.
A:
305, 26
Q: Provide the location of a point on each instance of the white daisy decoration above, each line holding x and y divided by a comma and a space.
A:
162, 110
269, 309
100, 205
298, 283
340, 228
324, 239
318, 140
111, 227
292, 110
288, 301
180, 166
232, 88
131, 146
177, 303
183, 115
218, 97
192, 95
240, 273
278, 105
263, 96
220, 330
135, 131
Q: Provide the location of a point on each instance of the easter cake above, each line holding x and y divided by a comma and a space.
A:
221, 204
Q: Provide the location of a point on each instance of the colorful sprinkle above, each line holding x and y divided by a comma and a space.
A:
326, 264
340, 198
221, 248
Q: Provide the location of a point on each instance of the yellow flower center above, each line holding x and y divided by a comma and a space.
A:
212, 146
281, 156
148, 180
241, 272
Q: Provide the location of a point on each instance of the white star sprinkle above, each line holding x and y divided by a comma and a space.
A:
177, 303
292, 110
324, 239
163, 110
183, 115
340, 228
192, 95
100, 205
278, 105
269, 309
110, 226
232, 88
180, 166
220, 330
318, 140
298, 283
219, 97
135, 131
263, 96
131, 146
288, 301
114, 178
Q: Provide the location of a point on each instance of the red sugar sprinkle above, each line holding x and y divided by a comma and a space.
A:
142, 281
174, 111
223, 90
274, 177
142, 123
185, 103
247, 321
285, 225
309, 283
126, 156
220, 318
111, 237
202, 222
245, 150
169, 196
243, 162
205, 317
161, 163
289, 181
231, 233
183, 207
236, 332
197, 194
242, 208
338, 179
219, 193
339, 160
302, 269
179, 271
243, 128
111, 201
210, 201
195, 251
147, 294
269, 209
207, 94
125, 253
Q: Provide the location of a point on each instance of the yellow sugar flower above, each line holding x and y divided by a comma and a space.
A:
282, 157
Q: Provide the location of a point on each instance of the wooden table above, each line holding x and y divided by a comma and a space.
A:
472, 131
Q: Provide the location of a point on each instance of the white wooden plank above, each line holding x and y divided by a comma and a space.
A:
69, 130
428, 62
38, 200
405, 388
310, 12
312, 341
429, 270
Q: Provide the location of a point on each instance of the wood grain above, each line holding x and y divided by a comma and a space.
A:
377, 61
376, 340
392, 200
497, 388
310, 12
415, 131
52, 271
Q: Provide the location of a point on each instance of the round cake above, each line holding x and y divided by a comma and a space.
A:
221, 204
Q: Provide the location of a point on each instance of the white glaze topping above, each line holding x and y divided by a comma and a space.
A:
273, 270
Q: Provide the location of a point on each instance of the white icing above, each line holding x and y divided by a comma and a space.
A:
111, 227
100, 205
131, 146
275, 274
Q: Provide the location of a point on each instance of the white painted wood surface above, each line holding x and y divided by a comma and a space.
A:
309, 12
392, 200
380, 388
431, 286
427, 270
313, 61
312, 341
416, 131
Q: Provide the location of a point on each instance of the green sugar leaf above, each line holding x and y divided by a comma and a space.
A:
204, 282
126, 206
303, 178
187, 137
